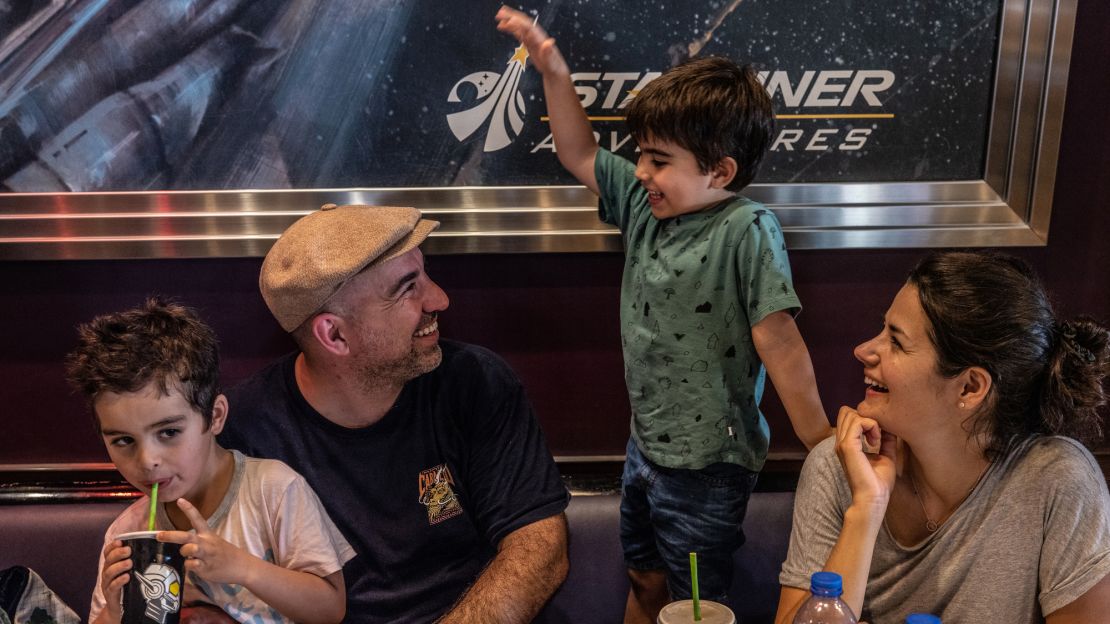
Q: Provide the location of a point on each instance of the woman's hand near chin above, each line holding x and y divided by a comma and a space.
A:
871, 476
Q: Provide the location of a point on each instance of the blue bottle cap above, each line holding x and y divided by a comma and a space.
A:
922, 618
826, 584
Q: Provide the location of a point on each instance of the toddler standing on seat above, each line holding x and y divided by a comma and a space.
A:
707, 310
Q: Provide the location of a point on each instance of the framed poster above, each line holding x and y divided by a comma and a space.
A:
178, 128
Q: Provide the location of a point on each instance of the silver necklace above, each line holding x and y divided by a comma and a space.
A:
929, 523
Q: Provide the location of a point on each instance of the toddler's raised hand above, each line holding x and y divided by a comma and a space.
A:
541, 48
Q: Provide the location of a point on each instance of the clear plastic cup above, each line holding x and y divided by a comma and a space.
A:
682, 612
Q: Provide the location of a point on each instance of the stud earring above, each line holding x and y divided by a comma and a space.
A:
962, 405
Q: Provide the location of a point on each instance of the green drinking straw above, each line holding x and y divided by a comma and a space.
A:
154, 507
694, 586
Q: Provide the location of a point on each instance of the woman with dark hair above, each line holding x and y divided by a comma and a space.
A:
977, 503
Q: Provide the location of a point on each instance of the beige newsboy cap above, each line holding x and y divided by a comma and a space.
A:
322, 250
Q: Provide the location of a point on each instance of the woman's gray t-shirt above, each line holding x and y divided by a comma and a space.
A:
1033, 536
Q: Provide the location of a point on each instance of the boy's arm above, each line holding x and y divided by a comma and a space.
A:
299, 596
783, 352
574, 137
530, 564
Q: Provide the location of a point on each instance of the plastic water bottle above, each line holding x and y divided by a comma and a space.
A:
922, 618
824, 605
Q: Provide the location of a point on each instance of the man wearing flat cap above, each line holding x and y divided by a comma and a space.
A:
425, 452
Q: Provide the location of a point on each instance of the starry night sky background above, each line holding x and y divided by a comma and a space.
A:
346, 93
941, 53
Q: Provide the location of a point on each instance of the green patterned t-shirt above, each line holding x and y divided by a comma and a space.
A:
693, 287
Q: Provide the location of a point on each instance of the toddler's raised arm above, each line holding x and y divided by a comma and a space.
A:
574, 137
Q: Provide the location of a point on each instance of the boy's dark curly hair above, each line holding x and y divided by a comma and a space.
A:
160, 342
712, 107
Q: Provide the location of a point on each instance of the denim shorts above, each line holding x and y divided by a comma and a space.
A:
667, 513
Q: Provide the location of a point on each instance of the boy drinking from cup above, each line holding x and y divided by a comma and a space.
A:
258, 544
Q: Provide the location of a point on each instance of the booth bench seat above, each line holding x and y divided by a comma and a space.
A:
61, 542
597, 586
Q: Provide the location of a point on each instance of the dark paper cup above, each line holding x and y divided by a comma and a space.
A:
153, 595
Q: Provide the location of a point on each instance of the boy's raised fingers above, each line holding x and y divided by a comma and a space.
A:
505, 14
520, 25
197, 520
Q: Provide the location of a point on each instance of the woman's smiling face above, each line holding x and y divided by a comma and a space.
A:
904, 387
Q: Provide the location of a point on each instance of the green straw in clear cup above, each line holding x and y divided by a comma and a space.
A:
694, 586
154, 508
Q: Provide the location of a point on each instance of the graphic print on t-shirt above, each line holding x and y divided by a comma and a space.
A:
436, 494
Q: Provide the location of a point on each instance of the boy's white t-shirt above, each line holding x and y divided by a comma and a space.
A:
269, 511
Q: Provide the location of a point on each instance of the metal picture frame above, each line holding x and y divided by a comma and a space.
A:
1010, 206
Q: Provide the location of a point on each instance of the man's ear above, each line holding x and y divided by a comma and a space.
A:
723, 172
329, 331
976, 388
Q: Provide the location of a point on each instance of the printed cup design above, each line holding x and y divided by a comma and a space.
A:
161, 587
154, 592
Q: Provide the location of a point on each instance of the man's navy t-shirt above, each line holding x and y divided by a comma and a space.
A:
425, 494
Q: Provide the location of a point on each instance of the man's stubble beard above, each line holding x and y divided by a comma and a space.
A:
374, 373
